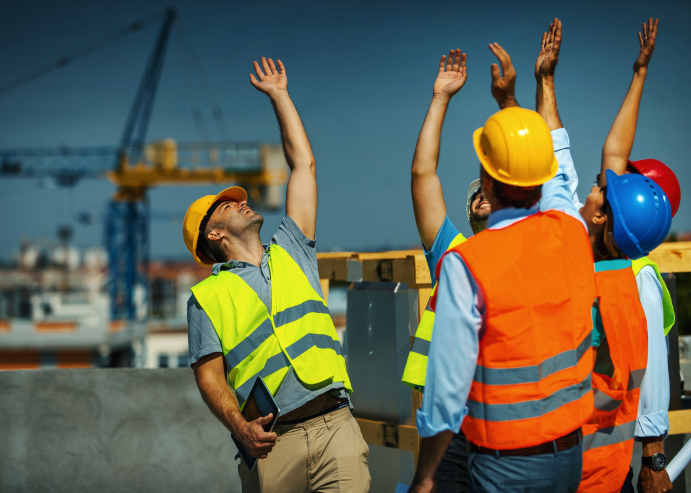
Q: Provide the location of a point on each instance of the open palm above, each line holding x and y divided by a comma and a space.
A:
452, 74
548, 57
270, 80
647, 42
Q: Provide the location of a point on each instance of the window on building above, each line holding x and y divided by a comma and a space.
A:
183, 360
163, 361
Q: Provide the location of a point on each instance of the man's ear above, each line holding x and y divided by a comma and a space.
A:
215, 235
599, 218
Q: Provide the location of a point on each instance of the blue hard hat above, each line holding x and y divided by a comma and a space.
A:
642, 213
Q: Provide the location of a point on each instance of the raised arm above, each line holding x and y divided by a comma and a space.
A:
428, 199
503, 86
617, 148
301, 194
547, 59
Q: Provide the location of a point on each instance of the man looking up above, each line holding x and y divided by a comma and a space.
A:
510, 360
438, 234
261, 313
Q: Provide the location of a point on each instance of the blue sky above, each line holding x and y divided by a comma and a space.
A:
361, 75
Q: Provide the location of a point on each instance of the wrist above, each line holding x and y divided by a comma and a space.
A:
640, 71
545, 80
279, 94
237, 422
442, 99
507, 102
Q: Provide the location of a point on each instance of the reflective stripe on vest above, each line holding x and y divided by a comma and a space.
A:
667, 305
533, 383
298, 333
415, 371
608, 434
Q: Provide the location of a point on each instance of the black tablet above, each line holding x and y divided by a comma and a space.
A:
259, 403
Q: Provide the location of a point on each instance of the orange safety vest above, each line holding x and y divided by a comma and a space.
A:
608, 434
532, 382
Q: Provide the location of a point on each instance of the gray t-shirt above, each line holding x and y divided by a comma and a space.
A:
204, 340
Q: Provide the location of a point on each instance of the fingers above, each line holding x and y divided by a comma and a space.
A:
282, 67
503, 57
265, 420
441, 64
494, 70
544, 41
457, 60
557, 34
550, 37
253, 80
274, 70
640, 40
449, 61
463, 56
653, 31
258, 71
265, 65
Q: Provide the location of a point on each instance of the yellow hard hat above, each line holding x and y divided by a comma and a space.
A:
515, 147
195, 215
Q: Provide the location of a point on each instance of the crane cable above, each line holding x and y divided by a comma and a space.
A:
192, 56
191, 88
65, 60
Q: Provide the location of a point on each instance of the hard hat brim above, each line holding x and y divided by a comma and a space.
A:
484, 161
235, 194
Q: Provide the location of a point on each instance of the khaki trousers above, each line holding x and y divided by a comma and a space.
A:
324, 454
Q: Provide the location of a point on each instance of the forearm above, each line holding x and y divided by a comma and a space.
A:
426, 156
617, 148
296, 145
432, 450
428, 199
507, 102
546, 102
653, 445
222, 403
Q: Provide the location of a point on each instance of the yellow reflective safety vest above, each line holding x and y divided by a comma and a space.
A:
299, 331
667, 305
415, 371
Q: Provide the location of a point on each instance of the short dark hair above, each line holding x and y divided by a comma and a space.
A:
511, 196
209, 249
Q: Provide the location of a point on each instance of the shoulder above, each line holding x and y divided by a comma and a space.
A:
290, 233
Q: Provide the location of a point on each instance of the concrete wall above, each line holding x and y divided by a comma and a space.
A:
111, 430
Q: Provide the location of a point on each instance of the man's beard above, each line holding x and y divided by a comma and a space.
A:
478, 221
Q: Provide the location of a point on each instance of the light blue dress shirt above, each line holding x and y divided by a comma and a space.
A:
459, 317
652, 418
460, 310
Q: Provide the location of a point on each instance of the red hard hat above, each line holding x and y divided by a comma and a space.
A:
663, 176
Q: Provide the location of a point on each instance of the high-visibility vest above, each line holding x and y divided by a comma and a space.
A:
532, 382
608, 434
667, 305
415, 370
298, 333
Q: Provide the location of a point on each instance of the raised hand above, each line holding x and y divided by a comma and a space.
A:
503, 86
647, 42
449, 82
274, 81
548, 57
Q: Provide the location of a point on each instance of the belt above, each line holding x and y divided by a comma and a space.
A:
563, 443
338, 406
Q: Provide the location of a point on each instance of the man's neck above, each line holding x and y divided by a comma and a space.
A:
245, 249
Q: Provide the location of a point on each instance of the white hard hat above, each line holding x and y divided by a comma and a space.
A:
473, 190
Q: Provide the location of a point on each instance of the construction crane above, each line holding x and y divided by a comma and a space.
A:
135, 166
